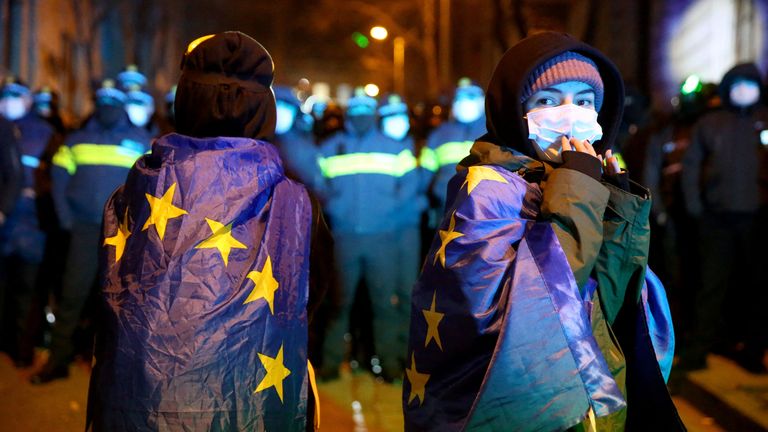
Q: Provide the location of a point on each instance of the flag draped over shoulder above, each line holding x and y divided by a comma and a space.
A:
205, 282
501, 337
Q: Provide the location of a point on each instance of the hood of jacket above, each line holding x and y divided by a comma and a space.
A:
225, 89
744, 71
504, 111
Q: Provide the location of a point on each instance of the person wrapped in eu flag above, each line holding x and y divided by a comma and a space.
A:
206, 264
534, 310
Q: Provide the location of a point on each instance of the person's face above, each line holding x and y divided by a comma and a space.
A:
745, 93
286, 115
14, 107
395, 126
571, 92
468, 109
138, 113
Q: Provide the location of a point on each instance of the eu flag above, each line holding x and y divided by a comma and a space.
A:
501, 337
204, 288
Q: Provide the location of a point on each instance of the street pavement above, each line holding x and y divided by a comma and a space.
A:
356, 402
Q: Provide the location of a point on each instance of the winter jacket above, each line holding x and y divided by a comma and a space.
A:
11, 171
23, 228
90, 165
722, 165
366, 181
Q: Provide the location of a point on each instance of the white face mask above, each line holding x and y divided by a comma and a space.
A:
547, 125
395, 127
286, 115
13, 108
139, 114
745, 93
468, 110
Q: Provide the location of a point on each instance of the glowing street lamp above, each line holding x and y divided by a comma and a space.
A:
379, 33
371, 90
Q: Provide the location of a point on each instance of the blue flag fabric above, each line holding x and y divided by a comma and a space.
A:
659, 321
205, 284
501, 337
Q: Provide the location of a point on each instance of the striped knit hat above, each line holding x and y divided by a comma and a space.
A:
568, 66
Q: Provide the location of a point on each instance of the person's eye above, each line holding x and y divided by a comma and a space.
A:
585, 103
545, 101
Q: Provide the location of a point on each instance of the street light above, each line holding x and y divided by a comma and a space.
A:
371, 90
379, 33
398, 58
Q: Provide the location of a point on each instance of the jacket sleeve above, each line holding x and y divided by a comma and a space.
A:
621, 263
62, 169
574, 203
692, 160
10, 169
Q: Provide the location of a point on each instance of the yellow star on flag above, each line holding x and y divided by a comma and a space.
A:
120, 237
418, 381
479, 173
266, 285
221, 239
433, 320
162, 209
445, 238
276, 373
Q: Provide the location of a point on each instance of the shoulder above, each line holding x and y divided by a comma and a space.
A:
492, 191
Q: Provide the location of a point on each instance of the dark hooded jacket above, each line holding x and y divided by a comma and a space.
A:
722, 165
11, 171
601, 222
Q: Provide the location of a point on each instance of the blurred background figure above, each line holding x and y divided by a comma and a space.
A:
47, 106
140, 107
412, 202
296, 145
722, 189
656, 152
139, 103
450, 142
11, 181
130, 77
23, 239
329, 119
91, 164
363, 172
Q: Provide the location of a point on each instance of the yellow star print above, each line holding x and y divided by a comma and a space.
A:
120, 237
276, 373
445, 238
479, 173
433, 320
418, 381
221, 239
162, 209
266, 285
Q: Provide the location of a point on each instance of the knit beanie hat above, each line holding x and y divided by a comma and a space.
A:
568, 66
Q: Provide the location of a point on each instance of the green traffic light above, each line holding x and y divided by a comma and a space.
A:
692, 84
360, 40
